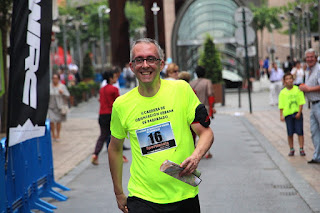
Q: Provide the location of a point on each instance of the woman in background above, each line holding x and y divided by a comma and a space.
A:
58, 105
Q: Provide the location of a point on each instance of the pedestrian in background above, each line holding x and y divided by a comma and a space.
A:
287, 65
203, 89
172, 72
108, 95
298, 74
291, 101
184, 75
276, 75
58, 106
157, 115
129, 76
311, 88
266, 66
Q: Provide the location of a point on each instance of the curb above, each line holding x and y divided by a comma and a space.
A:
307, 192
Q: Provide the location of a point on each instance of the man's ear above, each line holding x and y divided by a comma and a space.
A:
161, 64
131, 66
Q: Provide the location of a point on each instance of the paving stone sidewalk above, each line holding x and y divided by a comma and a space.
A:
266, 119
78, 137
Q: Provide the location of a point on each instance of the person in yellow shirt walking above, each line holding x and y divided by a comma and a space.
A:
157, 115
291, 101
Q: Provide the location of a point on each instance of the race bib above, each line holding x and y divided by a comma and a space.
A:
156, 138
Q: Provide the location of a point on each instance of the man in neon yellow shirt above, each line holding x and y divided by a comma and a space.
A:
157, 115
291, 101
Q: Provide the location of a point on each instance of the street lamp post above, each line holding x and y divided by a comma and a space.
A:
102, 46
64, 37
64, 20
289, 16
309, 15
155, 9
299, 10
93, 47
77, 25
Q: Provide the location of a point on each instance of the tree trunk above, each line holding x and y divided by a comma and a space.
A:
4, 98
5, 21
261, 45
120, 45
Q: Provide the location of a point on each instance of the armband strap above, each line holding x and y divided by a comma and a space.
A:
202, 116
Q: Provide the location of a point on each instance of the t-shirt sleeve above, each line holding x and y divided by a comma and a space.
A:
192, 103
281, 101
116, 127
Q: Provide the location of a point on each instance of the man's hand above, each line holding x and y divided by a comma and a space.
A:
304, 88
122, 202
190, 164
298, 115
281, 118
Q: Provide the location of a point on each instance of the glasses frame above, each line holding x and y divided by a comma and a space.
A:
145, 59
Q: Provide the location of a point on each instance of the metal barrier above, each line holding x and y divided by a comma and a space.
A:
30, 175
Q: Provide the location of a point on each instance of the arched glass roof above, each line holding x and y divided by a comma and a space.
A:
195, 21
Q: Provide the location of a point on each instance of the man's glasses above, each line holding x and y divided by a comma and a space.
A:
150, 60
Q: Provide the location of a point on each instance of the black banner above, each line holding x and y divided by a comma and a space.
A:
29, 69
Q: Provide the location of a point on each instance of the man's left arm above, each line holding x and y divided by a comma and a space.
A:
204, 143
305, 88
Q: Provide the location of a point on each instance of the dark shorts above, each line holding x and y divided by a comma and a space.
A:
294, 125
138, 205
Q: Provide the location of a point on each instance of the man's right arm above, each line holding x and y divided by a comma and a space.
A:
115, 163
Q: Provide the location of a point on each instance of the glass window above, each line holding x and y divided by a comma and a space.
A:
215, 17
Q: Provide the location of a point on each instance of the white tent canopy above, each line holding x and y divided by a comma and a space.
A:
231, 76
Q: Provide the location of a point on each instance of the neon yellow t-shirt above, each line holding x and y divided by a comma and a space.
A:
290, 100
159, 130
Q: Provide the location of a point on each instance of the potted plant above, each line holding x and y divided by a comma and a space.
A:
210, 60
87, 71
83, 87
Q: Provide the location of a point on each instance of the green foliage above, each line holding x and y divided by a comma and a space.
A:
89, 15
87, 70
135, 14
305, 5
5, 7
76, 92
266, 17
83, 87
211, 61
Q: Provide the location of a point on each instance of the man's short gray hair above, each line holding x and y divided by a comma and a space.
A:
149, 41
311, 50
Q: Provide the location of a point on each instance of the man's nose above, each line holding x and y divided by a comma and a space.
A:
145, 64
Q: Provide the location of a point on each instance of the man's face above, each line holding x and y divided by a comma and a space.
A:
311, 59
275, 66
146, 72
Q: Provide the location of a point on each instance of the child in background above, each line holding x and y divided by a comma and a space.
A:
291, 101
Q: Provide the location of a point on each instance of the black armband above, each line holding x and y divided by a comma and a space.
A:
202, 116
